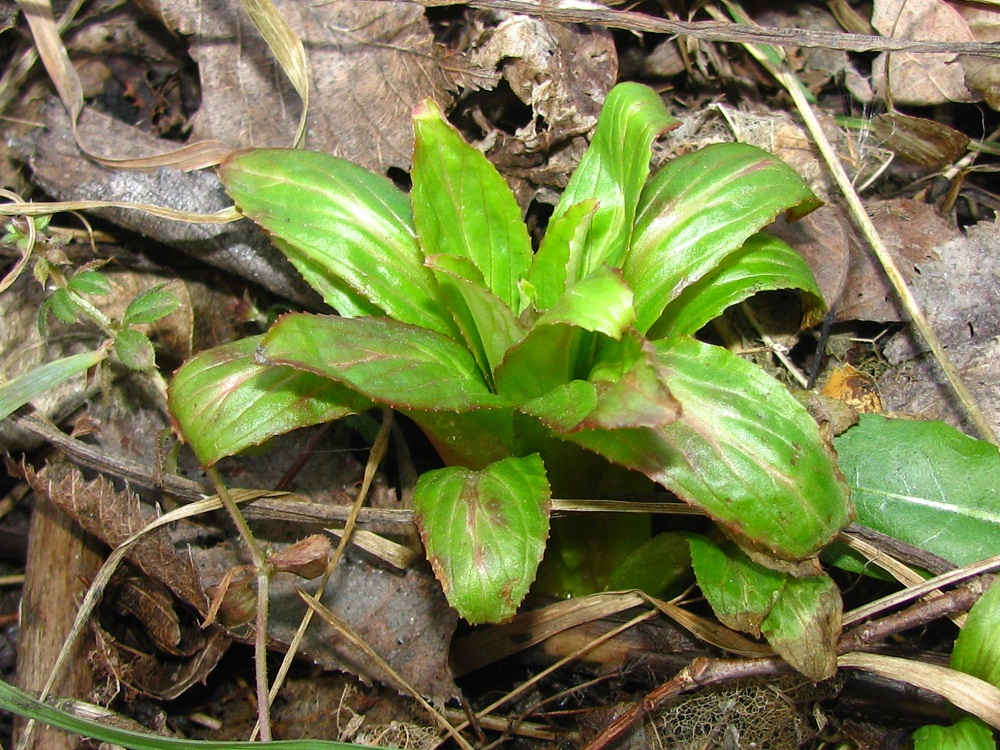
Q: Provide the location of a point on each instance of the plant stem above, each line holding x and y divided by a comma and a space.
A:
263, 569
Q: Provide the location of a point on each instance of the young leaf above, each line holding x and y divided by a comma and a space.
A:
348, 231
977, 648
462, 206
150, 306
487, 325
763, 263
696, 211
557, 349
485, 532
925, 483
613, 171
90, 282
968, 733
223, 402
134, 349
61, 305
625, 389
743, 450
560, 254
392, 363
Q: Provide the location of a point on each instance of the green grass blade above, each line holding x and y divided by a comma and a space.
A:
22, 389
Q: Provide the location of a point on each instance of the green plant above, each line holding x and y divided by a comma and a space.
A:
534, 372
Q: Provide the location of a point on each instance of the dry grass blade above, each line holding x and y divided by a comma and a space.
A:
287, 48
969, 693
345, 630
22, 262
52, 52
225, 216
711, 632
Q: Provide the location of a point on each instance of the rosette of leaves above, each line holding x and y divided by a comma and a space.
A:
533, 370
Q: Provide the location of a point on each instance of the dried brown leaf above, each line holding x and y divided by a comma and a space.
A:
369, 63
307, 558
918, 78
149, 602
113, 517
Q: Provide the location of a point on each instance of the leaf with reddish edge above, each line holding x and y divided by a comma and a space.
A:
485, 533
764, 263
349, 232
613, 171
463, 207
222, 401
625, 389
697, 210
799, 616
391, 363
743, 450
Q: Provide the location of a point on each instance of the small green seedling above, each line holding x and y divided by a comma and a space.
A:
534, 372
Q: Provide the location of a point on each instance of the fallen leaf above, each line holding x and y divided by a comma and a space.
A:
369, 64
954, 291
920, 79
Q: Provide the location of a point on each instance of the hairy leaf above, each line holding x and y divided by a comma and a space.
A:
925, 483
348, 231
222, 401
392, 363
696, 211
613, 171
462, 206
485, 532
763, 263
150, 306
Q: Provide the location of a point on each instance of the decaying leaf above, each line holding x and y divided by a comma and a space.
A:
953, 290
920, 79
113, 517
369, 62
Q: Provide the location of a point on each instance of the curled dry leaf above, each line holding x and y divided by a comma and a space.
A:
307, 558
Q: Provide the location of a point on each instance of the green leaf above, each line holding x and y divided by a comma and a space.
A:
740, 591
558, 348
696, 211
764, 263
560, 254
488, 326
135, 350
19, 702
743, 450
624, 389
150, 307
661, 567
392, 363
969, 733
473, 439
17, 392
223, 401
925, 483
977, 648
485, 532
348, 231
463, 207
799, 616
61, 305
613, 171
90, 282
804, 624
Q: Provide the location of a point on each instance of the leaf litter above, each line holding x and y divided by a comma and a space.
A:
370, 63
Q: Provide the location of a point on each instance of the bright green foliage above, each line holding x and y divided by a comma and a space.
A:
976, 652
521, 366
925, 483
